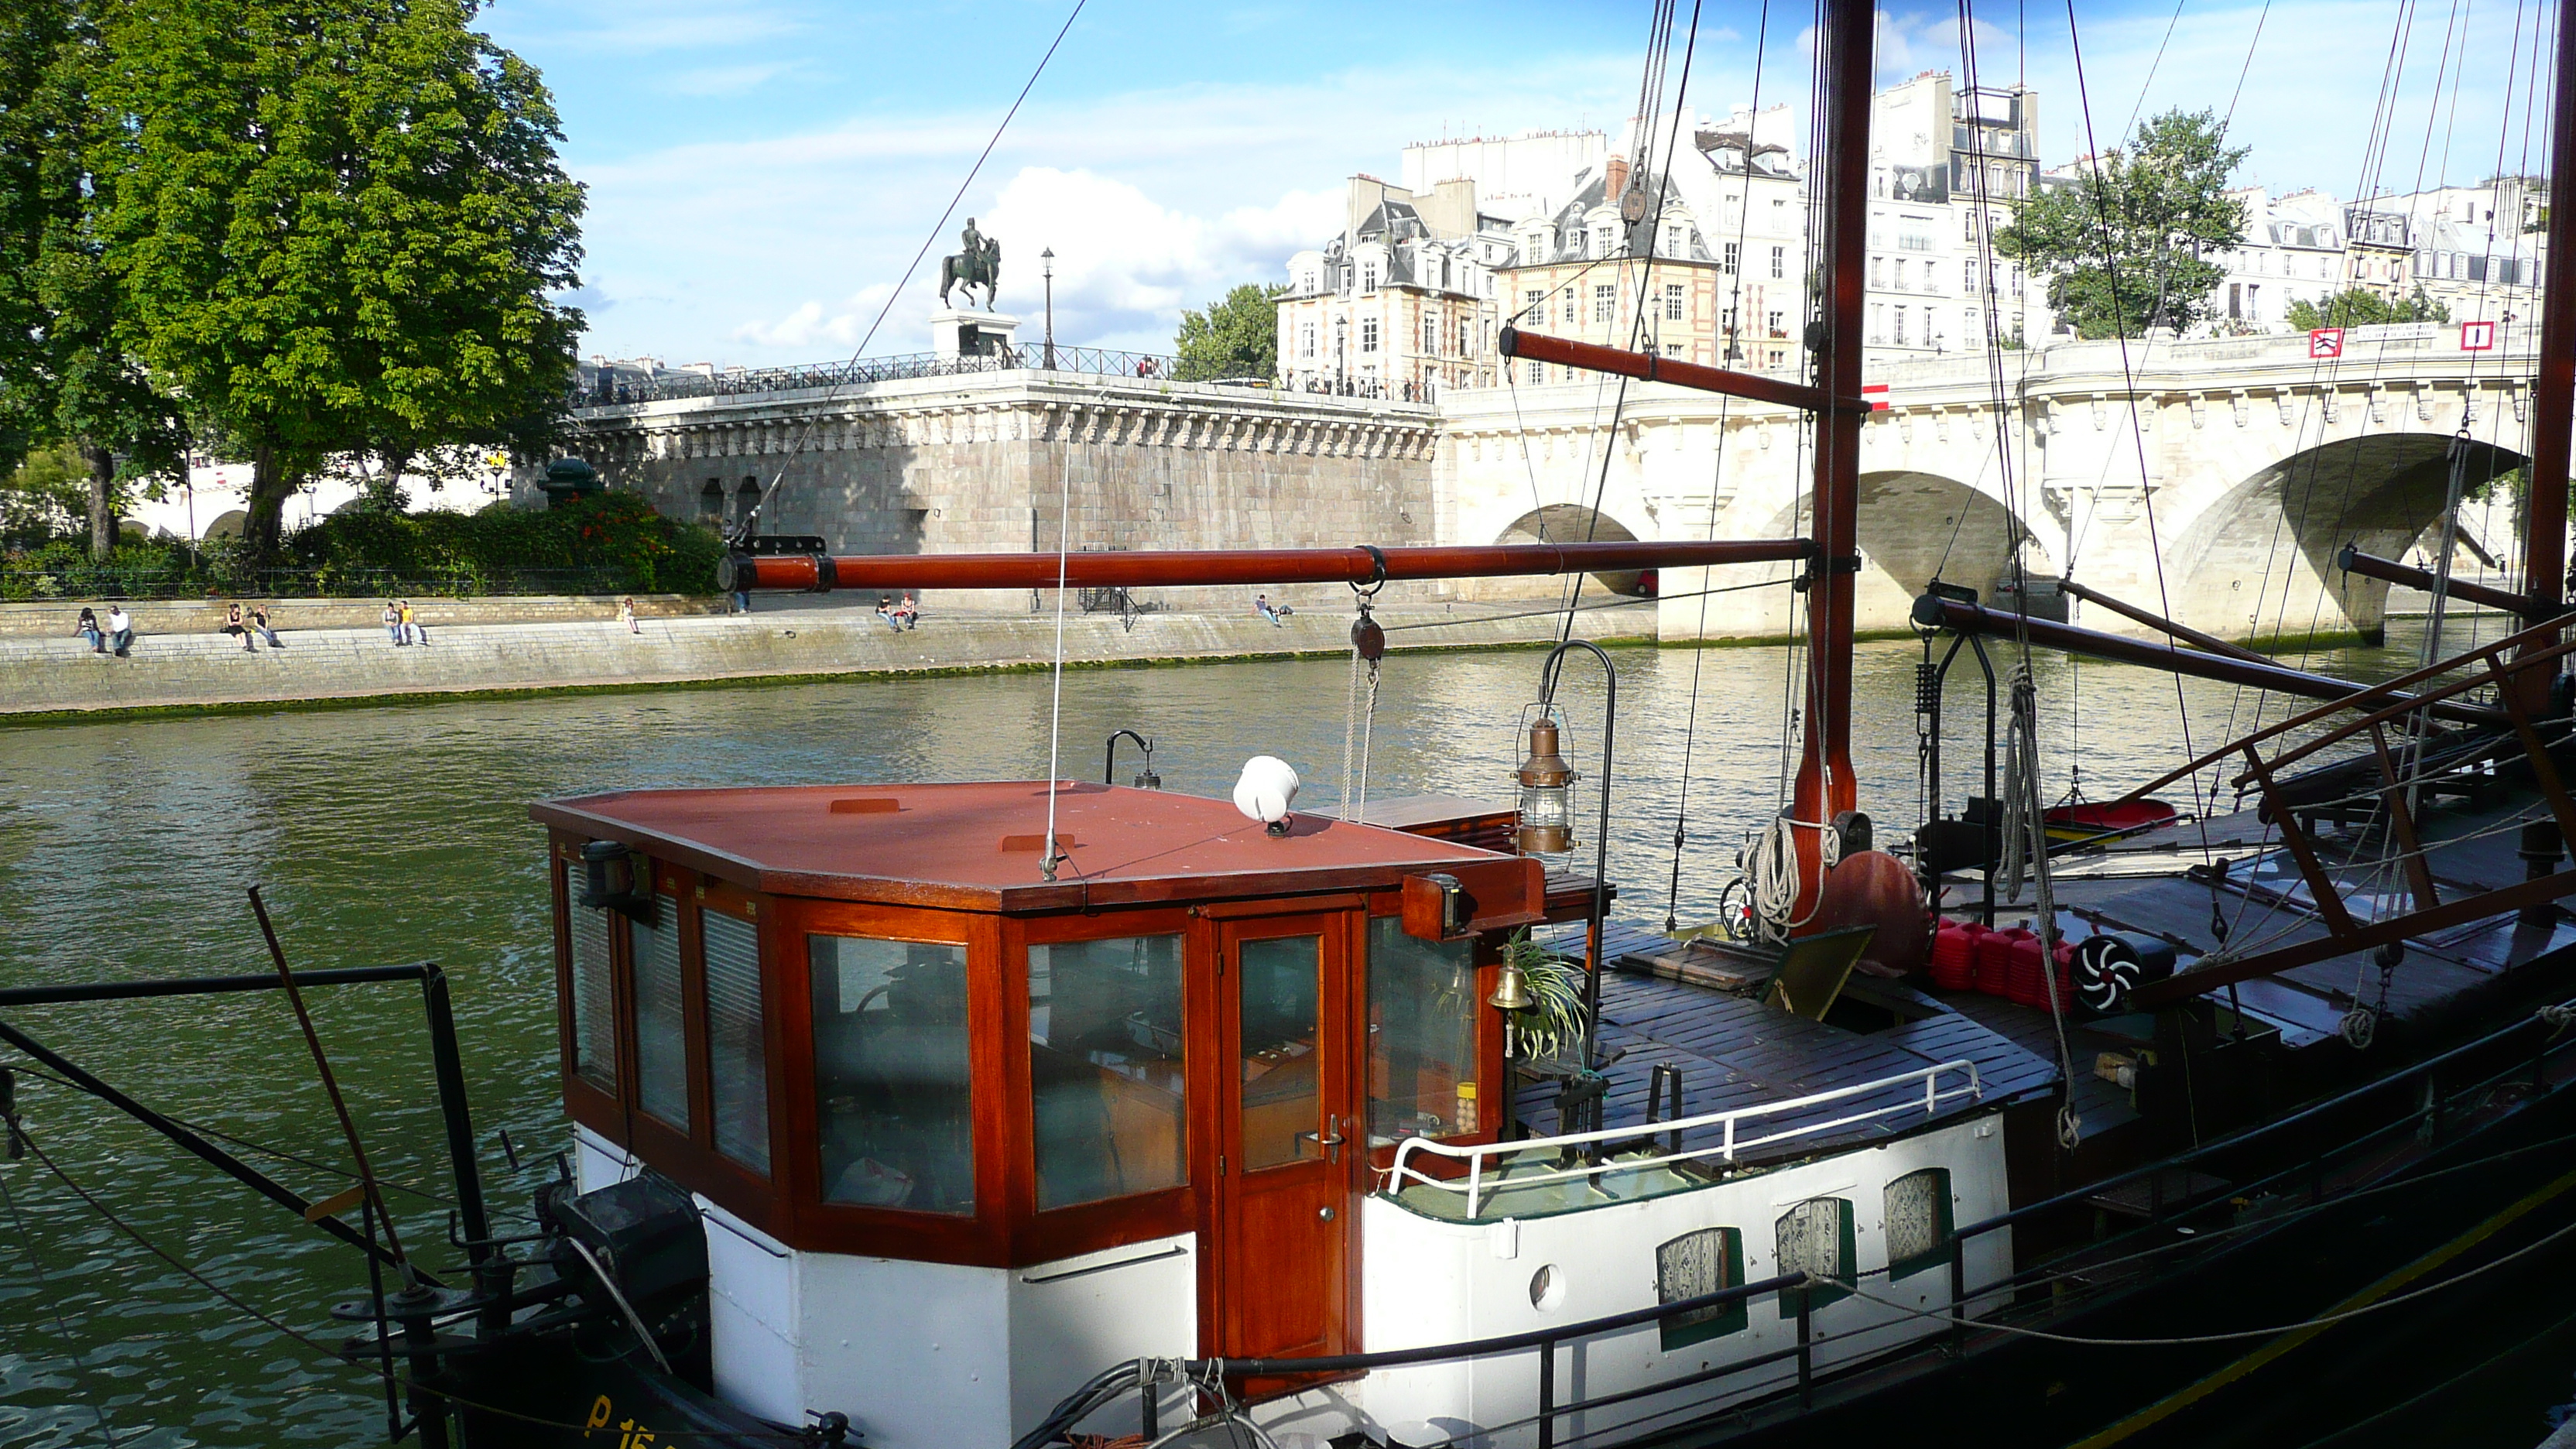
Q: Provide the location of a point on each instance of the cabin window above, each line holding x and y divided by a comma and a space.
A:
1816, 1237
737, 1068
1422, 1035
594, 1006
1282, 981
1105, 1067
1695, 1265
661, 1026
891, 1080
1918, 1222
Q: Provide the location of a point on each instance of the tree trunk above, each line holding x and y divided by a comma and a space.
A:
102, 483
271, 480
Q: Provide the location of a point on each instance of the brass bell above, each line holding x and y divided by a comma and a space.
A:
1511, 989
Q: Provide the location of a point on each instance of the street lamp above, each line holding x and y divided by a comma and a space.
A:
1046, 269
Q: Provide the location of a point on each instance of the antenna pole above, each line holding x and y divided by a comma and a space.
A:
2544, 530
1824, 786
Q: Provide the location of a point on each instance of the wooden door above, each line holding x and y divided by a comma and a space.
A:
1290, 1138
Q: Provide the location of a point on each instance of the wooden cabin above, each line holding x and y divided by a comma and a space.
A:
962, 1129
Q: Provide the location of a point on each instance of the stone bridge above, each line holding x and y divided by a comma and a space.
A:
2217, 478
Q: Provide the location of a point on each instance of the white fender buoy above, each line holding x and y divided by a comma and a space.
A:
1266, 790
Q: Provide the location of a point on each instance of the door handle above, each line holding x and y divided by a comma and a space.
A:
1330, 1140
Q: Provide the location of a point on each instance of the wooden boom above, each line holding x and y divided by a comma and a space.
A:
1363, 565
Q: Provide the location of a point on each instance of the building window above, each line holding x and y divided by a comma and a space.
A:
1779, 261
1672, 301
594, 1006
1605, 302
1695, 1265
737, 1060
1728, 264
1368, 277
1918, 1222
1306, 339
1773, 325
1968, 275
711, 502
1815, 1237
1899, 337
1672, 349
661, 1022
1535, 310
1368, 334
1538, 372
1878, 322
1422, 1035
1896, 273
893, 1088
1672, 241
1877, 271
1105, 1068
1431, 335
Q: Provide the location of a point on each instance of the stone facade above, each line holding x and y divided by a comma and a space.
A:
979, 462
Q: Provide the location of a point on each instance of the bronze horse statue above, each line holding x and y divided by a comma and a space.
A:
979, 265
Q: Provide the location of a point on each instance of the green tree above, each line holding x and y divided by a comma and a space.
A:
2126, 246
1237, 336
68, 371
2361, 307
334, 224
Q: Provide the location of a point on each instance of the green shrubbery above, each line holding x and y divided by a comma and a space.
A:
611, 543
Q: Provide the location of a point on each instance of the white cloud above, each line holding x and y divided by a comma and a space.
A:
806, 327
729, 80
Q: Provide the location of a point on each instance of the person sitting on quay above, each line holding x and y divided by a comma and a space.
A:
393, 623
259, 625
906, 615
626, 615
120, 630
412, 632
1275, 613
233, 625
885, 612
89, 631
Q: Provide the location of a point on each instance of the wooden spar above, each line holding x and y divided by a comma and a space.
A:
2544, 526
1646, 366
2371, 566
2209, 643
1167, 568
1825, 787
1932, 612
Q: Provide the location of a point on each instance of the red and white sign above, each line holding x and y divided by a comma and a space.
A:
1875, 394
2325, 342
2477, 336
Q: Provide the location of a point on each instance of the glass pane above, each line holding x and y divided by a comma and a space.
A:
594, 1011
1918, 1220
892, 1082
1105, 1067
661, 1033
1422, 1035
737, 1069
1281, 1102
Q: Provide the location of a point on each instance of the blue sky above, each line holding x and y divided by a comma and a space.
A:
761, 171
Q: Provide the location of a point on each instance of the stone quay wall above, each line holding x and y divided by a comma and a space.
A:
157, 617
982, 462
60, 676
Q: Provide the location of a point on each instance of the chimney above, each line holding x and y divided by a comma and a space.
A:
1617, 179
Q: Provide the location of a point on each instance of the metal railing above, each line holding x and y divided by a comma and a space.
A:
74, 584
1725, 1149
615, 391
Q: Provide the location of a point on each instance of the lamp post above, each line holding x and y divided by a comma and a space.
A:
1046, 269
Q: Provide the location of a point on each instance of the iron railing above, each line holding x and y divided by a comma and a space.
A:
74, 584
1032, 357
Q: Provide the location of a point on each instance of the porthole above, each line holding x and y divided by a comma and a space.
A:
1547, 1289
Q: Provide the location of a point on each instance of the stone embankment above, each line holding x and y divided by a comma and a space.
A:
53, 674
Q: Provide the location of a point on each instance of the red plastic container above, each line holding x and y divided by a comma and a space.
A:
1954, 955
2027, 985
1994, 961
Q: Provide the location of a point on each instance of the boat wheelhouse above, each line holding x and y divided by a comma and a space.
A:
962, 1135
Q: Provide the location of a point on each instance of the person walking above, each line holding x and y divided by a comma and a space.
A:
120, 630
89, 631
234, 626
393, 623
259, 626
626, 615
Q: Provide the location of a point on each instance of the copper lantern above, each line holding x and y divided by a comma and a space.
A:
1547, 795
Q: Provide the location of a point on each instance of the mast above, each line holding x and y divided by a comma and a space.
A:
1824, 787
2544, 529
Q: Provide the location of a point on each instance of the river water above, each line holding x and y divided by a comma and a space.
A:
396, 834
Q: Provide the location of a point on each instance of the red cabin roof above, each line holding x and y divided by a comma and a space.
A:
979, 846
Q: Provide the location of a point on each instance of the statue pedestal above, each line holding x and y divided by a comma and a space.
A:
959, 333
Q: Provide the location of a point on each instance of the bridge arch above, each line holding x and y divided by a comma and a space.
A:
2258, 562
1914, 525
1574, 523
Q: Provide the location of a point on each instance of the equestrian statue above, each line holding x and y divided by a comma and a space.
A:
979, 265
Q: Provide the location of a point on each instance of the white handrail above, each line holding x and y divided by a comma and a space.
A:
1729, 1145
